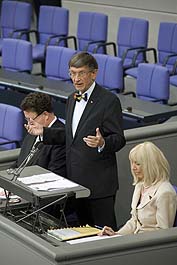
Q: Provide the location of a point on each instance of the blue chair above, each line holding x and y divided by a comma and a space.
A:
11, 127
52, 25
17, 55
15, 17
92, 29
153, 83
110, 72
173, 77
166, 53
132, 35
173, 80
57, 59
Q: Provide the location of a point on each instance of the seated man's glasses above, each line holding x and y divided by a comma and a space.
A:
28, 118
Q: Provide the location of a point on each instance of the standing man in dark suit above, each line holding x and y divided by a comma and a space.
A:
38, 106
93, 136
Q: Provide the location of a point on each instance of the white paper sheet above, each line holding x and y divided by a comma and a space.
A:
47, 182
89, 239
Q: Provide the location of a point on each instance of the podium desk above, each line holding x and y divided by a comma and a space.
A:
39, 199
22, 190
133, 108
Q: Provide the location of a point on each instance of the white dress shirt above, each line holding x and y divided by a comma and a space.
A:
79, 109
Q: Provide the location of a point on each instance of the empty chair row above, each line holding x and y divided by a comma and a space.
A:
166, 53
92, 30
152, 83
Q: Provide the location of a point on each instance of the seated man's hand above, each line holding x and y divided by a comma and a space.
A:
34, 128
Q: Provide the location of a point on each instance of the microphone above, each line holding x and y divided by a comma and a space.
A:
17, 171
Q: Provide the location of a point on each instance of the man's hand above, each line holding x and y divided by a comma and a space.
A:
94, 141
34, 128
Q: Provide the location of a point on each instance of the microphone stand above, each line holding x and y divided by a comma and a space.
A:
16, 172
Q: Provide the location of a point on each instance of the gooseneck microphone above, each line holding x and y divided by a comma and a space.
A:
17, 171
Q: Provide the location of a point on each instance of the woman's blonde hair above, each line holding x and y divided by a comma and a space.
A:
155, 166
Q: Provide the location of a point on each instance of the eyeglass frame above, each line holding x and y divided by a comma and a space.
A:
28, 119
80, 74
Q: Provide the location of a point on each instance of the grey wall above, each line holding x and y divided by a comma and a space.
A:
153, 10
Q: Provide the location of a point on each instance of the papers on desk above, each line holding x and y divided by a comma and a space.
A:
70, 233
89, 239
47, 182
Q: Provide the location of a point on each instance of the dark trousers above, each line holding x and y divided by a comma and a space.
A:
94, 211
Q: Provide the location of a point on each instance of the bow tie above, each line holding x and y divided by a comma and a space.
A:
78, 97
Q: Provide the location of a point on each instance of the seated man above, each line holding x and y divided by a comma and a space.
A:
38, 106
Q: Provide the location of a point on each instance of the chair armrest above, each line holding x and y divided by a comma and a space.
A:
144, 51
166, 59
66, 39
129, 49
174, 68
28, 32
49, 40
92, 42
9, 142
104, 45
132, 93
15, 31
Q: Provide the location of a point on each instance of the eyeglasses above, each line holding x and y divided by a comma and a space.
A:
28, 119
80, 74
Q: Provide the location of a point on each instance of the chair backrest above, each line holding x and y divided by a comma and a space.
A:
53, 20
167, 41
57, 59
110, 72
11, 126
92, 26
132, 33
152, 83
15, 15
175, 222
17, 55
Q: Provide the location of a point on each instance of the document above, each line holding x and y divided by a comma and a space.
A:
41, 178
47, 182
73, 232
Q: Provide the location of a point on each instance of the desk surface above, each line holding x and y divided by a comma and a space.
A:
132, 107
28, 194
19, 246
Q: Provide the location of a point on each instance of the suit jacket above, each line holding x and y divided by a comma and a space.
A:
51, 157
157, 210
85, 165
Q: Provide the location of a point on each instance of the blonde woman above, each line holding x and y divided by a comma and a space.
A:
154, 199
